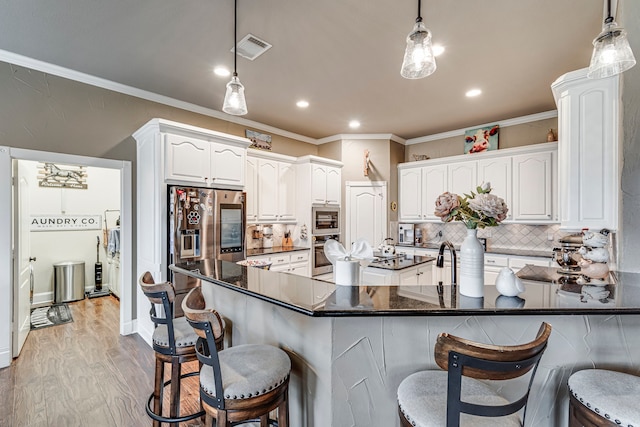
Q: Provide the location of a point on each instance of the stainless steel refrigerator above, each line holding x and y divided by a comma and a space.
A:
204, 223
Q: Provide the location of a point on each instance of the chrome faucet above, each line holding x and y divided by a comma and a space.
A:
440, 260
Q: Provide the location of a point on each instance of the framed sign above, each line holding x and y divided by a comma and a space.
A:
62, 176
65, 222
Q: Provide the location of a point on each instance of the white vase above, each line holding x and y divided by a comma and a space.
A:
471, 266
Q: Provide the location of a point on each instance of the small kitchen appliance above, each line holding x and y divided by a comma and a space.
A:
267, 236
567, 256
405, 235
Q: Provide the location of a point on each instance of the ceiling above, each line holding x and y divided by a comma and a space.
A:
343, 56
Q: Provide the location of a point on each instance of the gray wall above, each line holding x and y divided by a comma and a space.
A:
42, 112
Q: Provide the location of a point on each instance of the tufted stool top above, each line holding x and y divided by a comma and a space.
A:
248, 370
422, 398
610, 394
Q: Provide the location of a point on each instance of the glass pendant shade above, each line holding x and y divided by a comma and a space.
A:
419, 60
234, 102
611, 53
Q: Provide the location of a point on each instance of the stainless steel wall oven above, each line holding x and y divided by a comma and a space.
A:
319, 262
326, 220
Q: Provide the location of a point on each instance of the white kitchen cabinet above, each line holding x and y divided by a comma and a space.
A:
517, 263
410, 194
532, 187
187, 159
251, 188
434, 183
276, 195
421, 275
210, 160
492, 266
286, 192
497, 171
589, 136
462, 178
326, 182
296, 262
418, 190
227, 165
525, 177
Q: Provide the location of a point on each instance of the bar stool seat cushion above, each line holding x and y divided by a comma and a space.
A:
610, 394
184, 334
248, 370
422, 398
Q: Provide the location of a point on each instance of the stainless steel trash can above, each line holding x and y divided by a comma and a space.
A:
68, 281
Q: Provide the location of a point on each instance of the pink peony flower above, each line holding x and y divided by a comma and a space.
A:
445, 203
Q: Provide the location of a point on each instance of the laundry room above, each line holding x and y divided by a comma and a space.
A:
74, 230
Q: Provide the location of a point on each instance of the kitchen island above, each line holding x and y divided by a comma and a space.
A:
351, 346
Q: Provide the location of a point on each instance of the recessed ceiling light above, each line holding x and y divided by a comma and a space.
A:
438, 49
222, 71
354, 124
473, 92
302, 104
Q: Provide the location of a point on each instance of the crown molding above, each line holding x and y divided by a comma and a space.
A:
67, 73
503, 123
342, 136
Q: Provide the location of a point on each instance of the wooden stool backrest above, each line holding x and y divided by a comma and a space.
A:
447, 343
150, 287
194, 310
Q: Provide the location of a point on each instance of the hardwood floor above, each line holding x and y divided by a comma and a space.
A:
84, 373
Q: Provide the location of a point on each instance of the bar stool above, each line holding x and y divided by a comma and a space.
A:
240, 384
602, 398
434, 398
173, 342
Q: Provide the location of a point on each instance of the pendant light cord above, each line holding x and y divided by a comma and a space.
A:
419, 18
609, 18
235, 38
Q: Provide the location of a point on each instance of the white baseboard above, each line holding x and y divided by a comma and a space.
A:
147, 335
43, 298
129, 328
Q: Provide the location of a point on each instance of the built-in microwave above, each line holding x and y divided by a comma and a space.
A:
326, 220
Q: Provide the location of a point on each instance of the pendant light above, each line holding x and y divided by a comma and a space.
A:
611, 51
234, 102
418, 60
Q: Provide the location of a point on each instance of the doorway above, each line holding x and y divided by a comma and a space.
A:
12, 278
366, 212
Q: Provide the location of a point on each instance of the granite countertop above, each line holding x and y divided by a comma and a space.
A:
491, 250
543, 294
274, 250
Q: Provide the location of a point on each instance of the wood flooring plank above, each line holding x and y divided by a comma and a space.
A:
84, 373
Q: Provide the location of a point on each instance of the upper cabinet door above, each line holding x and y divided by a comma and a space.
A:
227, 165
410, 192
334, 185
287, 192
318, 184
251, 188
462, 178
532, 187
187, 159
267, 190
497, 172
434, 183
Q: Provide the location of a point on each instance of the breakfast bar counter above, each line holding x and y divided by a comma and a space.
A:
351, 347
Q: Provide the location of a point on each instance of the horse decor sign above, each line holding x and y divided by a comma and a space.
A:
62, 176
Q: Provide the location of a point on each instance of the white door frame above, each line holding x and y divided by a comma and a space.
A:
369, 184
7, 154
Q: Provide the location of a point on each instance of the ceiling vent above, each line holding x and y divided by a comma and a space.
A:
251, 47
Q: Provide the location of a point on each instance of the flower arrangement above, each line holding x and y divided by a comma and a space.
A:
475, 210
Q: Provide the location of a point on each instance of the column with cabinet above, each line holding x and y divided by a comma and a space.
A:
174, 153
589, 150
